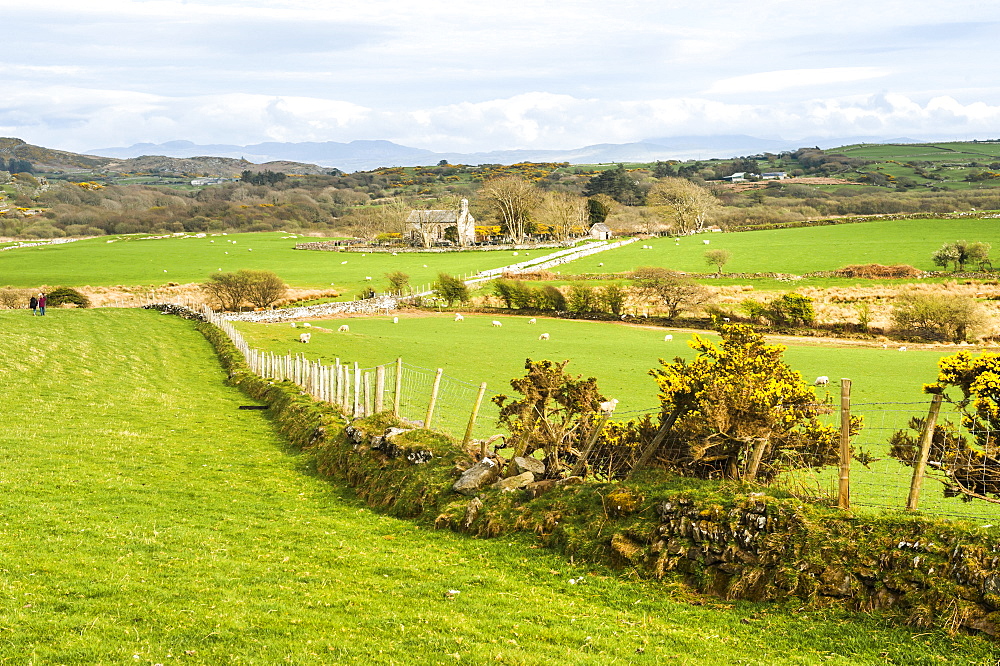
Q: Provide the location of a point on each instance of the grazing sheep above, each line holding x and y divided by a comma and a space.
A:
609, 406
342, 263
344, 328
307, 325
532, 321
668, 338
601, 264
304, 337
822, 380
294, 325
497, 324
368, 277
543, 336
395, 320
459, 317
249, 249
902, 349
706, 242
725, 319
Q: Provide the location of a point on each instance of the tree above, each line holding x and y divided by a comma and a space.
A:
962, 252
514, 199
690, 206
599, 207
266, 177
674, 290
451, 289
263, 287
718, 258
399, 281
791, 309
936, 316
566, 213
614, 296
736, 402
232, 290
556, 413
617, 183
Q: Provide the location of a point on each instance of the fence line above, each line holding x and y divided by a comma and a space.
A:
416, 394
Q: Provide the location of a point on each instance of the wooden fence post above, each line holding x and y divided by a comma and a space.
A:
368, 394
581, 463
397, 398
434, 397
379, 388
475, 413
758, 454
844, 482
357, 391
926, 438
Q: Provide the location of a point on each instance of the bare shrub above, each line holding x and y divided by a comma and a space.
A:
877, 271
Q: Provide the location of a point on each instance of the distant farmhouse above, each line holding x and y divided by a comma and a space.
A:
773, 175
738, 177
209, 181
441, 227
742, 176
600, 231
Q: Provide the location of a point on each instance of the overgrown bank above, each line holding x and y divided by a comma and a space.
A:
719, 539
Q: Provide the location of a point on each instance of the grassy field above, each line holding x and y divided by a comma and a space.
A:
886, 383
147, 520
799, 250
131, 261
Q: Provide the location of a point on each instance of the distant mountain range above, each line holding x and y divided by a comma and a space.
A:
367, 155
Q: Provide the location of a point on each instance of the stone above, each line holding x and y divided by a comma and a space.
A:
471, 512
512, 483
539, 487
477, 477
533, 465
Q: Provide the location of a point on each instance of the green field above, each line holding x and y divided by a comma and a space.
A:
130, 261
147, 520
799, 250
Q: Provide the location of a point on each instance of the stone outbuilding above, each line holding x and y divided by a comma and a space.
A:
441, 227
601, 231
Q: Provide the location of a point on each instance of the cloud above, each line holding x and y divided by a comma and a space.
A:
761, 82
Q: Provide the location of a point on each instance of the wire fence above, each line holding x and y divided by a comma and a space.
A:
428, 397
420, 395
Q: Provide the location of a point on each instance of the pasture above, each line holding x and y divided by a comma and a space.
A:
132, 261
799, 250
147, 520
886, 383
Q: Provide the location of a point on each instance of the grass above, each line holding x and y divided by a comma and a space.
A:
886, 383
130, 261
799, 250
147, 520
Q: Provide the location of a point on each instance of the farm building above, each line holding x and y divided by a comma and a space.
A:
600, 231
432, 227
773, 175
737, 177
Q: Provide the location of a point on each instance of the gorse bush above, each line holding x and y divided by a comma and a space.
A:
66, 295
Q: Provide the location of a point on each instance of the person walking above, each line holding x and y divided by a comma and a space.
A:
41, 304
33, 304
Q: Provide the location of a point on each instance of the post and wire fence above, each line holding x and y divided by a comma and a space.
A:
420, 395
428, 397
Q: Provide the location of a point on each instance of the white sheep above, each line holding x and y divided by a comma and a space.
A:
706, 242
543, 336
395, 320
459, 317
822, 380
532, 321
249, 249
344, 328
668, 338
368, 277
902, 349
304, 337
293, 325
307, 325
497, 324
342, 263
609, 406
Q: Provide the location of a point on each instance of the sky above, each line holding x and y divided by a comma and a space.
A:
470, 75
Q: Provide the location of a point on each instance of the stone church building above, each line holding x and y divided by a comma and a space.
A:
430, 227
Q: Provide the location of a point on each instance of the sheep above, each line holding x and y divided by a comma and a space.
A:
822, 380
344, 328
368, 277
395, 320
668, 338
902, 349
306, 325
294, 325
304, 337
706, 242
609, 406
532, 321
543, 336
459, 317
497, 324
342, 263
249, 249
